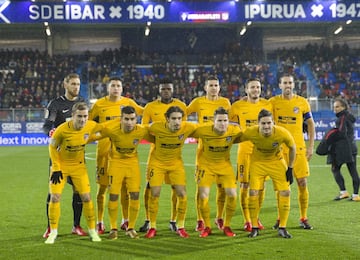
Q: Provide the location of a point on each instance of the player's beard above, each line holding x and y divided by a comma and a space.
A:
74, 93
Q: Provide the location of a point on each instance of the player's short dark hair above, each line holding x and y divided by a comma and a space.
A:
286, 75
71, 76
173, 109
128, 110
115, 78
264, 113
79, 106
221, 111
165, 81
250, 80
212, 77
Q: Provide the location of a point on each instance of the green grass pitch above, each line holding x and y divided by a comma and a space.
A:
23, 190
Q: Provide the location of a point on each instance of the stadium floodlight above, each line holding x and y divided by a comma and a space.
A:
243, 31
147, 31
338, 30
48, 31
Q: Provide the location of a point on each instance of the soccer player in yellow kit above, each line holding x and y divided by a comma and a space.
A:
214, 165
204, 107
125, 136
245, 113
166, 162
59, 111
105, 109
266, 160
67, 153
155, 111
291, 111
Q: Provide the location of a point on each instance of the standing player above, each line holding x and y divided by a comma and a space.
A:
214, 166
291, 111
125, 136
59, 111
67, 154
166, 162
105, 109
267, 160
155, 111
204, 107
245, 113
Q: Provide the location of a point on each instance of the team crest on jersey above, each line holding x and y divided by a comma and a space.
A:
228, 139
86, 136
296, 110
135, 141
181, 137
275, 144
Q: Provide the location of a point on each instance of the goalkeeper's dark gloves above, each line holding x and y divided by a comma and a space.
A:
289, 175
56, 177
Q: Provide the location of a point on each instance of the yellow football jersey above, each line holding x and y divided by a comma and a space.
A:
246, 114
267, 148
67, 145
216, 148
155, 110
168, 145
291, 114
124, 145
105, 110
205, 108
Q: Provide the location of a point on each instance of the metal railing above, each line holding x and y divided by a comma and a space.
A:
22, 115
324, 107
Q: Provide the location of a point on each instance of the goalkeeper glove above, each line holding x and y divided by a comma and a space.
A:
56, 177
51, 132
289, 175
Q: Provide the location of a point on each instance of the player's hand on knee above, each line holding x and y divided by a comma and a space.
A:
56, 177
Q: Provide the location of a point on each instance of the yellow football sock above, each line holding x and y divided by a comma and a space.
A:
113, 212
173, 204
147, 193
89, 213
277, 203
230, 203
134, 206
54, 214
205, 211
220, 202
254, 210
124, 200
261, 197
100, 202
284, 210
153, 210
181, 210
197, 204
244, 203
303, 199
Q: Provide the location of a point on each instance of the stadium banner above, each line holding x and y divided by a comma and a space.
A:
30, 133
178, 12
